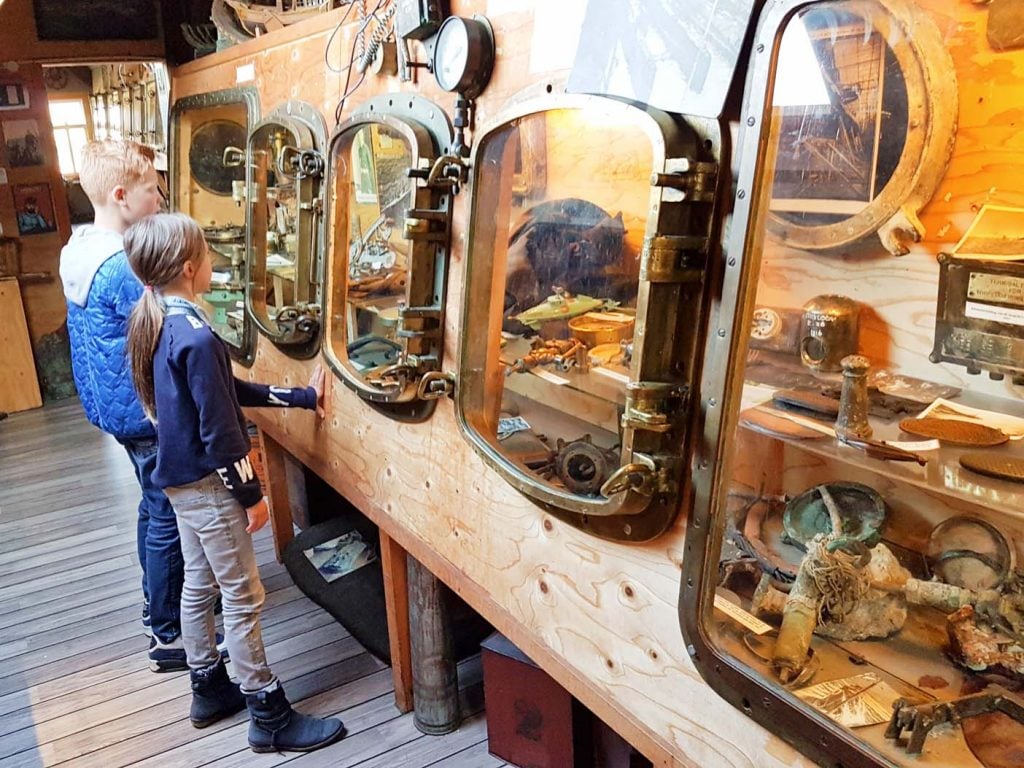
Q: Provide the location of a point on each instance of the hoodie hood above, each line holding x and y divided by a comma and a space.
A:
86, 251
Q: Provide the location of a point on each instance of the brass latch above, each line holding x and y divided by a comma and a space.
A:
674, 259
687, 180
654, 406
645, 475
447, 171
435, 385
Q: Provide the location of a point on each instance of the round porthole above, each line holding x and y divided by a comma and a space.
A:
863, 116
206, 155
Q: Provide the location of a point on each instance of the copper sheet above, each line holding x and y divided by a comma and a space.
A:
993, 465
954, 432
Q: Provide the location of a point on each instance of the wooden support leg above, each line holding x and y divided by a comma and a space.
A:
277, 494
435, 678
396, 598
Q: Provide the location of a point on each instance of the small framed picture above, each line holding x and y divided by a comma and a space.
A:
33, 204
13, 96
23, 145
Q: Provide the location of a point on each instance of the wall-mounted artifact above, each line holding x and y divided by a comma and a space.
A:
241, 20
866, 117
22, 142
207, 165
390, 209
606, 255
34, 209
830, 331
285, 234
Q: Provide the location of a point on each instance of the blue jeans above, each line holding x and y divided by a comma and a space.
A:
219, 558
163, 568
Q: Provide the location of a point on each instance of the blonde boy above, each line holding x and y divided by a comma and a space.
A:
101, 289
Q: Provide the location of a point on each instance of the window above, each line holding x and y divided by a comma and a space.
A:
71, 133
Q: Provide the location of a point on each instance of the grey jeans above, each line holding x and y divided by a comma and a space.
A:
218, 551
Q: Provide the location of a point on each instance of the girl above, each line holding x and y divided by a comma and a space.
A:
183, 376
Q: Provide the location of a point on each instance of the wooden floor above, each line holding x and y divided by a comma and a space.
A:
75, 688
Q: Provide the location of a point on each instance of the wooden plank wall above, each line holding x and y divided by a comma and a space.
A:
19, 389
599, 616
40, 254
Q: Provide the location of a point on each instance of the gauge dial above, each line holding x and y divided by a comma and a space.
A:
464, 55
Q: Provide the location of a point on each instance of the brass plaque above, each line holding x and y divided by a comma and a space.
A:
1000, 288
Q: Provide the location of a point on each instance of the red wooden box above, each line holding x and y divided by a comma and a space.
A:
532, 722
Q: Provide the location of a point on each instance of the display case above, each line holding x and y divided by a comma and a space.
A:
208, 137
850, 574
390, 230
591, 236
285, 232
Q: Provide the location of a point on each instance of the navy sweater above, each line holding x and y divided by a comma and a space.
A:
200, 427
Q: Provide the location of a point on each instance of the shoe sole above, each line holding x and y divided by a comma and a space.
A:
159, 666
261, 748
222, 716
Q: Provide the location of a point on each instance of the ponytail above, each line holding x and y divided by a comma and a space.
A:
144, 326
157, 247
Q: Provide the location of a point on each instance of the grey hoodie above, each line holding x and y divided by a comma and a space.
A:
86, 251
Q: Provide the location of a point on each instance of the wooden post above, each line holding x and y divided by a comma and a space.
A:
435, 679
396, 598
277, 494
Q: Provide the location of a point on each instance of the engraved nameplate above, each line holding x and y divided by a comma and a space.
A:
1002, 288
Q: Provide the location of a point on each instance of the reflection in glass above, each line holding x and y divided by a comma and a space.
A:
374, 192
562, 202
210, 167
280, 278
840, 106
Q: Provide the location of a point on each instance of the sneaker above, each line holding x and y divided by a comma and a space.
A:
147, 625
170, 656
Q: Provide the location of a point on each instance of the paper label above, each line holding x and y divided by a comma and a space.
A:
1005, 289
852, 701
737, 614
245, 73
996, 314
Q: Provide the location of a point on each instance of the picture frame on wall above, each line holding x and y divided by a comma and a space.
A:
96, 19
13, 96
34, 208
22, 141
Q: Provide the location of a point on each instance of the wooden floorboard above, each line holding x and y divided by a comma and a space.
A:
75, 686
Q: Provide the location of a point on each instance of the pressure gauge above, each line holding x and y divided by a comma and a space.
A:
464, 55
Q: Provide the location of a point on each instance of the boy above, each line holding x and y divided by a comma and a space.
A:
121, 182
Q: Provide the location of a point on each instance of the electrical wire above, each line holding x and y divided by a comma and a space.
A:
346, 90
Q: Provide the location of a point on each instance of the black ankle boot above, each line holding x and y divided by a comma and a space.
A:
275, 727
214, 696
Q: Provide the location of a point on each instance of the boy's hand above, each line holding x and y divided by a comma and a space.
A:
317, 382
258, 515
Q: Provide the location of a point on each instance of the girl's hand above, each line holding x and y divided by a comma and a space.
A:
258, 516
317, 382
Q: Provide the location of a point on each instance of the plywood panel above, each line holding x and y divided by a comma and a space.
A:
600, 617
19, 389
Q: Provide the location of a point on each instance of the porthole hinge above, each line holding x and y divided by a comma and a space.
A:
674, 259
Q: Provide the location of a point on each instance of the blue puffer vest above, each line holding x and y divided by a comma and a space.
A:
98, 356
